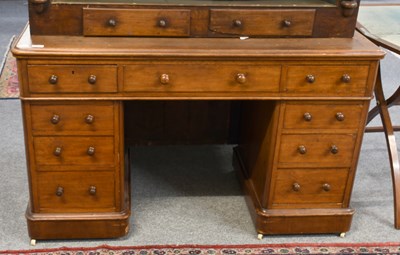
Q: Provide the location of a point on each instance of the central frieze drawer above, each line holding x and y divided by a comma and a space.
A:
263, 22
138, 22
298, 188
76, 191
198, 77
327, 80
72, 78
317, 149
93, 152
73, 119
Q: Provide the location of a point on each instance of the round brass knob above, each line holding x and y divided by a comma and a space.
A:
302, 149
89, 119
340, 116
334, 149
326, 186
241, 78
57, 151
307, 116
287, 23
310, 78
237, 23
92, 190
162, 23
55, 119
59, 191
296, 186
90, 151
346, 78
112, 22
164, 79
53, 79
92, 79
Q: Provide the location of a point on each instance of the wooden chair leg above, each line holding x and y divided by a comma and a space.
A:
391, 145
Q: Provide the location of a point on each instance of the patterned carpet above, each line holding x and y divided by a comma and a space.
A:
8, 76
280, 249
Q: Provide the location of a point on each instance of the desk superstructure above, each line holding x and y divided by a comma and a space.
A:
300, 104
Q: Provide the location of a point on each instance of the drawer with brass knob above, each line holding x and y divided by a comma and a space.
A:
136, 22
327, 80
72, 78
307, 150
322, 115
73, 118
76, 191
201, 77
295, 188
74, 152
278, 22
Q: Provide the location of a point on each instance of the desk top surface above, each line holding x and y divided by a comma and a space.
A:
123, 47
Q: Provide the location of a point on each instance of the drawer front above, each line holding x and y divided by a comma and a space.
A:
193, 77
322, 116
76, 191
93, 152
83, 118
263, 22
310, 186
327, 80
317, 149
72, 78
139, 22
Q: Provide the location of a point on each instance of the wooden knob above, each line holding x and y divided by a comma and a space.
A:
302, 149
296, 186
346, 78
57, 151
334, 149
287, 23
307, 116
340, 116
55, 119
164, 79
92, 190
237, 23
92, 79
162, 23
241, 78
326, 187
89, 119
59, 191
112, 22
310, 78
91, 150
53, 79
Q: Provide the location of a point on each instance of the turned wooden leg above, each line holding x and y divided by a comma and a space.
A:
391, 145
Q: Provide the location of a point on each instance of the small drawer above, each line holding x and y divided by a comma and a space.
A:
327, 80
72, 78
317, 150
276, 22
322, 116
297, 188
201, 77
138, 22
74, 152
76, 191
72, 119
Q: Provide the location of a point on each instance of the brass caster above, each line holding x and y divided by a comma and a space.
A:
260, 236
342, 235
33, 242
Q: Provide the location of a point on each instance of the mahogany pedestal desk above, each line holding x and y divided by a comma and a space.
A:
300, 107
381, 24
